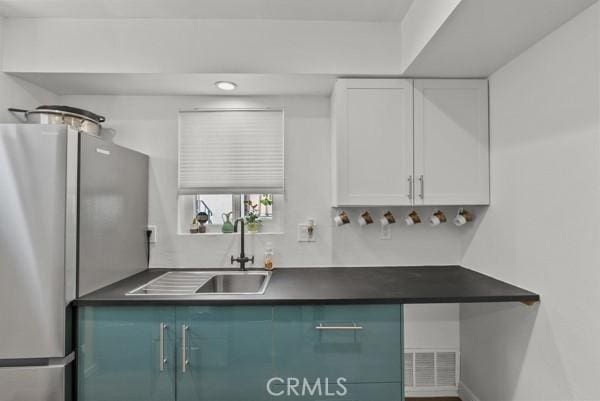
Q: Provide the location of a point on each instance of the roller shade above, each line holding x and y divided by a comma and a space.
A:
231, 151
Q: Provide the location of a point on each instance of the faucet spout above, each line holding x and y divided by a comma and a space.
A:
242, 259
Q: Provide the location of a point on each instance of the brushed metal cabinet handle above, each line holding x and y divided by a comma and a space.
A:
184, 360
163, 360
422, 181
353, 327
410, 187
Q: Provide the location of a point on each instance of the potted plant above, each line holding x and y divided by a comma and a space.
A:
267, 201
252, 217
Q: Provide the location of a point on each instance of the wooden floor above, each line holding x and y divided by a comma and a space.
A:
432, 399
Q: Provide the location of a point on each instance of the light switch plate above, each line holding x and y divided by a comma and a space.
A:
304, 236
154, 236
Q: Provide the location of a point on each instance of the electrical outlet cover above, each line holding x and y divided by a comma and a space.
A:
304, 236
154, 236
386, 232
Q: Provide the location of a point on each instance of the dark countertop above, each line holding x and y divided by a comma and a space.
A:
338, 285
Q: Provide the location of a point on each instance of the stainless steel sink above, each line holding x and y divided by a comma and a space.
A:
234, 284
202, 283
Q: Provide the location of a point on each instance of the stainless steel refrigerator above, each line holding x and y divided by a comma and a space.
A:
73, 218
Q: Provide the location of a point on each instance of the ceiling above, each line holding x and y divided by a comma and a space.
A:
478, 38
180, 84
325, 10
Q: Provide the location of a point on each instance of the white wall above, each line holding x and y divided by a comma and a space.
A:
149, 124
541, 231
15, 92
209, 46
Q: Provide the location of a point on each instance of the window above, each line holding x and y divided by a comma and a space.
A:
215, 205
259, 204
230, 161
218, 205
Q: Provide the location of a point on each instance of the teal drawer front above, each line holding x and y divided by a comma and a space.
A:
118, 354
362, 343
350, 392
229, 350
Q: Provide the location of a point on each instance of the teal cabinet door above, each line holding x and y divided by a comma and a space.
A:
119, 354
224, 353
360, 343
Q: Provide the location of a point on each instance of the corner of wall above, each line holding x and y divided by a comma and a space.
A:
465, 393
15, 92
538, 137
420, 24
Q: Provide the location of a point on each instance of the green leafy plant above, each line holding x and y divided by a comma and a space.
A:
266, 200
252, 216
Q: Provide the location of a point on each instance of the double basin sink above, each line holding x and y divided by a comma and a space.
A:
199, 283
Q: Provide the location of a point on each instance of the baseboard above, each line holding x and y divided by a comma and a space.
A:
465, 393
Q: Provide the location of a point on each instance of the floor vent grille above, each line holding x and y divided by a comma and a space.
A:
431, 370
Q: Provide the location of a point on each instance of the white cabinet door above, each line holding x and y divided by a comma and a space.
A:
372, 142
451, 142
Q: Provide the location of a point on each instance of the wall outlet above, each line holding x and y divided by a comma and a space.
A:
154, 235
304, 234
386, 232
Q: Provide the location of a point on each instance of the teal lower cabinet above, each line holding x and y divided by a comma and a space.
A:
226, 352
240, 353
362, 344
119, 354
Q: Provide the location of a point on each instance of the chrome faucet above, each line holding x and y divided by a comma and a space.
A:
242, 259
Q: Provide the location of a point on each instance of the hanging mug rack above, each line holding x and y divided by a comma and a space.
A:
412, 218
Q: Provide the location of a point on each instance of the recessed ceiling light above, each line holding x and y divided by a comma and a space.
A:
225, 85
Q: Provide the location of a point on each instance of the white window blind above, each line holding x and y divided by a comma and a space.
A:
231, 151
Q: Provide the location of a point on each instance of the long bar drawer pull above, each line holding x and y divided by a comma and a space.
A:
163, 360
353, 327
184, 359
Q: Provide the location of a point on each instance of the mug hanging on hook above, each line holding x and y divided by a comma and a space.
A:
387, 219
438, 217
365, 219
463, 217
412, 218
341, 219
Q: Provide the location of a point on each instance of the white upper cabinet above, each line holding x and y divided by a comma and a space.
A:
374, 160
451, 142
372, 121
